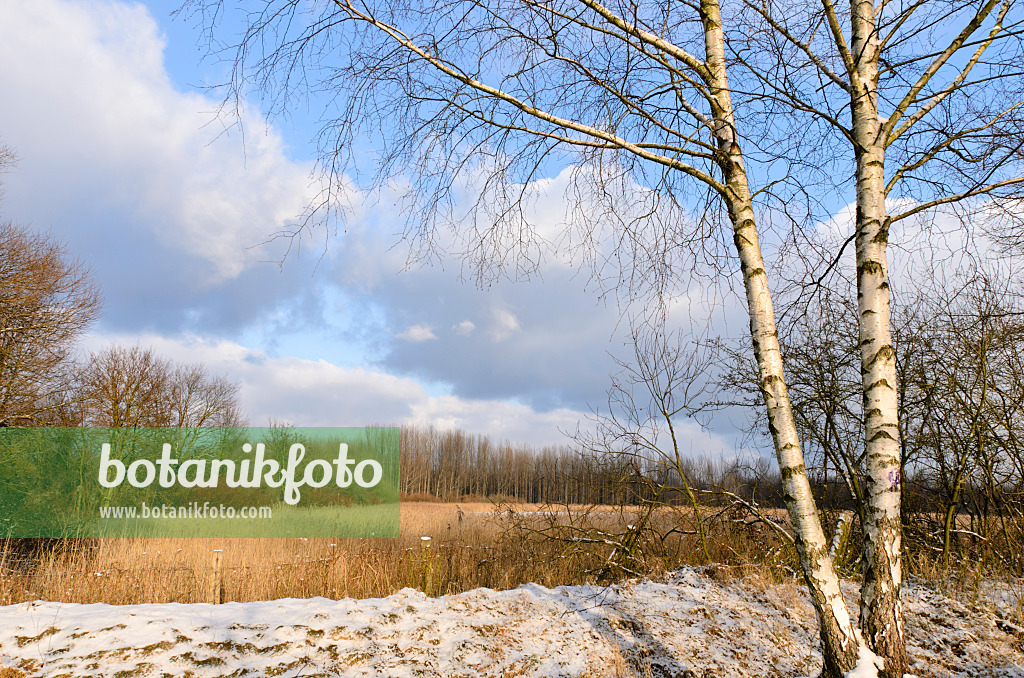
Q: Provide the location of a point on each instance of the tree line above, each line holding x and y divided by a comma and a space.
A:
454, 464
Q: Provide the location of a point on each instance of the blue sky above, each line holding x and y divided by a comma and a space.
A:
122, 156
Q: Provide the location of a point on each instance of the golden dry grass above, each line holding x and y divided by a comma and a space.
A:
488, 547
460, 554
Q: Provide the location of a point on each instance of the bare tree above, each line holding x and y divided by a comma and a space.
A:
132, 386
651, 400
198, 398
47, 301
957, 338
973, 434
673, 116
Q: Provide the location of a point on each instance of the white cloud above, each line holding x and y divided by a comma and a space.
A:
498, 419
503, 325
320, 393
417, 333
840, 224
99, 122
463, 328
127, 167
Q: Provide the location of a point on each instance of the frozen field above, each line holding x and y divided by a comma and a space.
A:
690, 625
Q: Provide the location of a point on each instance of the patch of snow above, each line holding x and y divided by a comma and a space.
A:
868, 664
690, 624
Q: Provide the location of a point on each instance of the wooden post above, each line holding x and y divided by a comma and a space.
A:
428, 563
216, 583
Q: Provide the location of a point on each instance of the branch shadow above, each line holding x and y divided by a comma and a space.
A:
643, 652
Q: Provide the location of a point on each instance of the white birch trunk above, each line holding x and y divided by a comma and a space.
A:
840, 639
881, 617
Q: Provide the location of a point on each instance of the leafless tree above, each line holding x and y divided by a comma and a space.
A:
47, 301
687, 126
652, 399
958, 340
454, 464
973, 433
131, 386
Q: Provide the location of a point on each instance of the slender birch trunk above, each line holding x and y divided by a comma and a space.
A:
881, 616
839, 637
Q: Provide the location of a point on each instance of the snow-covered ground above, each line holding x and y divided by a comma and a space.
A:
690, 625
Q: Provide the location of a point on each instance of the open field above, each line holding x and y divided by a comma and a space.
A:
470, 545
462, 553
317, 607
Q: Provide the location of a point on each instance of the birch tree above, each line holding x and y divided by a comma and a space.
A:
690, 128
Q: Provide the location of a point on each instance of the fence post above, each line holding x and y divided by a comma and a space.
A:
428, 564
216, 583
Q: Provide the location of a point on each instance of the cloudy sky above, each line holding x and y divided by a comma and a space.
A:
122, 157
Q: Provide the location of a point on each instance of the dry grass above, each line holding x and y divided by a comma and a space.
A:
460, 554
487, 547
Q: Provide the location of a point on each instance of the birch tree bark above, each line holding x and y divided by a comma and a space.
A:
840, 646
880, 612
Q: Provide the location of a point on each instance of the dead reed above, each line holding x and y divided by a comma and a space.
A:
443, 548
469, 546
463, 552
